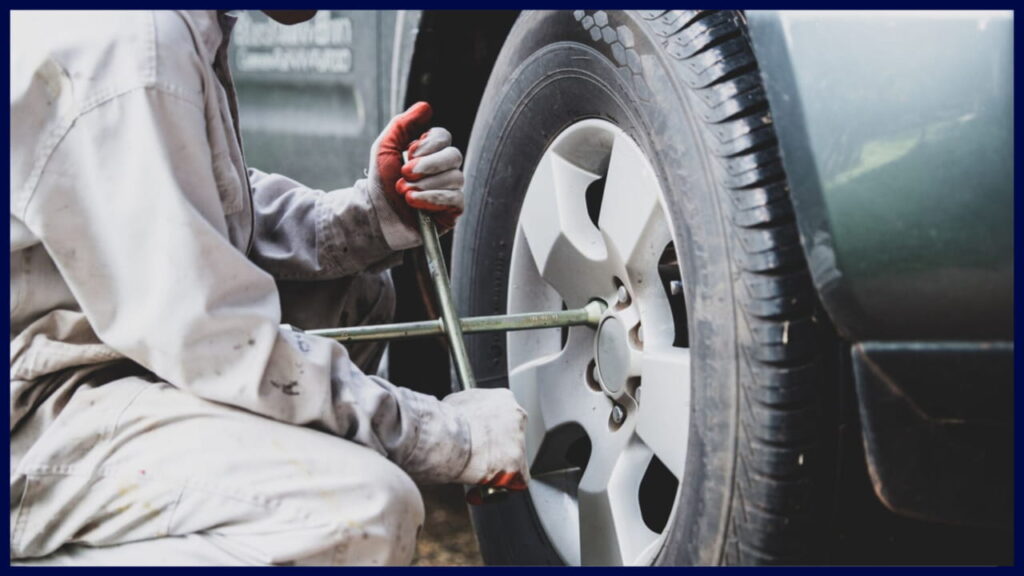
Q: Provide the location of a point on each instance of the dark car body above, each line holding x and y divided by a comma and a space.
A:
896, 133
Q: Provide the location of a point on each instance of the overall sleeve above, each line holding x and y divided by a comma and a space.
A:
130, 212
307, 234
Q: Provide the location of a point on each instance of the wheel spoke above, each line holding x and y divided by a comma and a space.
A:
531, 294
664, 412
568, 250
632, 219
612, 530
555, 493
553, 393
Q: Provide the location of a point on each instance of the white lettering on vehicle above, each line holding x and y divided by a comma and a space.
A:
320, 45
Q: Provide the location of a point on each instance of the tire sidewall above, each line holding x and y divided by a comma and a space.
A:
536, 91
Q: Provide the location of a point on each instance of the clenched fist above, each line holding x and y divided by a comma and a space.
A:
431, 180
497, 429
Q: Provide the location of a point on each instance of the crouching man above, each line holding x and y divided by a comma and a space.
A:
160, 412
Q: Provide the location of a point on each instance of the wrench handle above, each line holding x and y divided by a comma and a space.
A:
453, 330
443, 291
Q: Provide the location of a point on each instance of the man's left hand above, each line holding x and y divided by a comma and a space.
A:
430, 180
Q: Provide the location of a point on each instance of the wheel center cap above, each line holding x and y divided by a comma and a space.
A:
612, 354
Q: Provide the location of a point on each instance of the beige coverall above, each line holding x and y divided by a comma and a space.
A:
159, 412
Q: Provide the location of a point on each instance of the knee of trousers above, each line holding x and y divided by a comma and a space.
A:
401, 516
380, 290
384, 530
371, 300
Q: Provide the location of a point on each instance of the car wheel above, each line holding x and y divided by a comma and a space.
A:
629, 157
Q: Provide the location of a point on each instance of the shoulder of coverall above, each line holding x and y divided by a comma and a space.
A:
66, 63
103, 54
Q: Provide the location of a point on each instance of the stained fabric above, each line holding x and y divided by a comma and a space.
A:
140, 238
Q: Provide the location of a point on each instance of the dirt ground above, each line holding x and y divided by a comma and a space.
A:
447, 538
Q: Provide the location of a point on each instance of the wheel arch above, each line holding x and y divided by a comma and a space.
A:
877, 237
445, 57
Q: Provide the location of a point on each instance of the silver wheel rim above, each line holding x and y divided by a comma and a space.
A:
624, 387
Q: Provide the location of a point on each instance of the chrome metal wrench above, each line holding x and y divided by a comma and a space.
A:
443, 293
453, 330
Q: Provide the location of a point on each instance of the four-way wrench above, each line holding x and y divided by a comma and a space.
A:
452, 327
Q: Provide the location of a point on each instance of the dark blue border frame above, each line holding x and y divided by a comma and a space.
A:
392, 4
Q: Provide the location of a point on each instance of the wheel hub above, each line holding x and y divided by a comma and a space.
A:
611, 350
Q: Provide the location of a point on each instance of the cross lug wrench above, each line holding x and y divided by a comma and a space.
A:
453, 328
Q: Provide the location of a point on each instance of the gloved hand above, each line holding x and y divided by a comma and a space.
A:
430, 181
497, 430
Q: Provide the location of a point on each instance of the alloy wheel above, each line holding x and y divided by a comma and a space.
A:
609, 408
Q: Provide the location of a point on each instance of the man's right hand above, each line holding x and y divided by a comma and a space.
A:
497, 429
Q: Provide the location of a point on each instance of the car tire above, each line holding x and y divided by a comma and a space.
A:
685, 86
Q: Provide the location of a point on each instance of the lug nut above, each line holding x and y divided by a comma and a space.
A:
618, 414
623, 295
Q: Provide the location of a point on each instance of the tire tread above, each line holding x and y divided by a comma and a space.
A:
772, 516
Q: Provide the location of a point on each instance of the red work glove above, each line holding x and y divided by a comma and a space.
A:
430, 181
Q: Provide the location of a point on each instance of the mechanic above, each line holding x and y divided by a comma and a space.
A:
160, 412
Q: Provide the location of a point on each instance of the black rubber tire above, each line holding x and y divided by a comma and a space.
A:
686, 87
